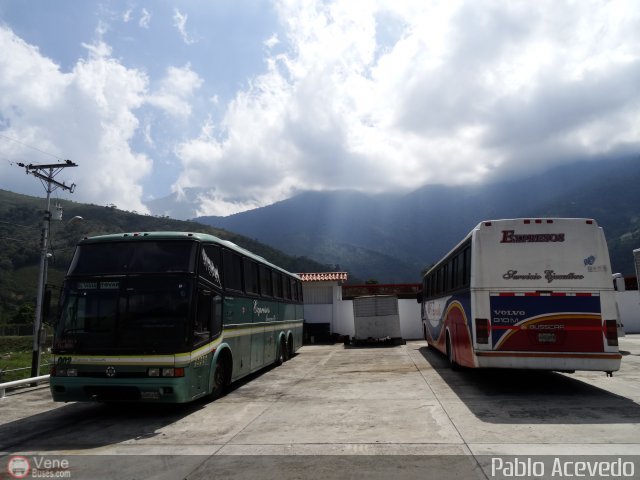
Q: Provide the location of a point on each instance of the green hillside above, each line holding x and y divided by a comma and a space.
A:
20, 231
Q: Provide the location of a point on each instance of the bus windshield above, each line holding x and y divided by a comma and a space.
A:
124, 315
144, 256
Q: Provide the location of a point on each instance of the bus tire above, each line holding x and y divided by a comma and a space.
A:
450, 355
282, 352
290, 352
220, 379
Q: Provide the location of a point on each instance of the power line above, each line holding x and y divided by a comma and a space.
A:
30, 146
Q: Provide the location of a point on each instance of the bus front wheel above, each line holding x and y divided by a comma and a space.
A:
219, 379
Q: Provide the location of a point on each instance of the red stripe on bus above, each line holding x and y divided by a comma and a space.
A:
504, 294
558, 294
531, 294
583, 294
566, 328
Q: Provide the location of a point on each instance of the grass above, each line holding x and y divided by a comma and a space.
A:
16, 353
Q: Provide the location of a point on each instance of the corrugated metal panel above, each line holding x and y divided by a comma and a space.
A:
317, 294
378, 306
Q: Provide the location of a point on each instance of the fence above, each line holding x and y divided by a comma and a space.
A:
18, 383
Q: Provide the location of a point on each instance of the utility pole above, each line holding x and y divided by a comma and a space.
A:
46, 174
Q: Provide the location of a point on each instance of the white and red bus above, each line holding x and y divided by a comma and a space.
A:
525, 293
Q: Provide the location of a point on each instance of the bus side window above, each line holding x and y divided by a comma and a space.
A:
216, 326
287, 287
251, 280
277, 284
202, 322
232, 266
467, 266
460, 280
266, 284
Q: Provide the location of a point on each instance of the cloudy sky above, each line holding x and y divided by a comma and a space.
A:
252, 101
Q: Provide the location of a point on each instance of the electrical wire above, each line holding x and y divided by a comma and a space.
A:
31, 147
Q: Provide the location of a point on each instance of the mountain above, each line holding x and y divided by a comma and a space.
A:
391, 238
20, 224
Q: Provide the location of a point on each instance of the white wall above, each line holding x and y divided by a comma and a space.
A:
318, 313
629, 309
410, 322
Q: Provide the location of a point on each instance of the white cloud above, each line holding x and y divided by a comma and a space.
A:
180, 22
145, 19
86, 115
174, 91
451, 92
272, 41
376, 96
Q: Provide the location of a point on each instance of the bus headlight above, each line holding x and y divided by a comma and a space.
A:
173, 372
154, 372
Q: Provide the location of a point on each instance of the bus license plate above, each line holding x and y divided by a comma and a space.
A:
547, 337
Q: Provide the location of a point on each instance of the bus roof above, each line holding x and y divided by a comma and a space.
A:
192, 236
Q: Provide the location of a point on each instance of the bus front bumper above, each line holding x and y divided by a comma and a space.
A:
82, 389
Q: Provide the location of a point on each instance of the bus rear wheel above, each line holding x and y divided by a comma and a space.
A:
282, 352
450, 357
290, 352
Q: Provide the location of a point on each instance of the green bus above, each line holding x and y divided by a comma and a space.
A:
169, 317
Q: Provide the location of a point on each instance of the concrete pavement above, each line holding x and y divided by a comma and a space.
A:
396, 409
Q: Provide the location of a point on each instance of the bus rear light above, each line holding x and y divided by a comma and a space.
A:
589, 222
527, 222
487, 224
538, 221
549, 221
482, 330
611, 330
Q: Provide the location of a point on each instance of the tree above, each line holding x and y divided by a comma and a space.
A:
25, 315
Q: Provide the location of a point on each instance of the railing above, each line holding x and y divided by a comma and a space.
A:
17, 383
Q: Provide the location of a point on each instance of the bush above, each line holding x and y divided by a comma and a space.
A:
16, 344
